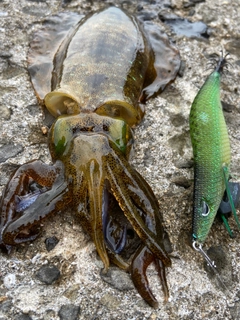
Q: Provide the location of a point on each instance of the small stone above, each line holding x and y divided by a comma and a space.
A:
5, 54
110, 301
5, 113
72, 292
22, 317
44, 130
51, 243
33, 109
227, 107
184, 163
182, 68
48, 274
9, 151
118, 279
3, 298
65, 2
9, 280
69, 312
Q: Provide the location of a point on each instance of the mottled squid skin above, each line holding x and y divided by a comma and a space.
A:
93, 85
211, 150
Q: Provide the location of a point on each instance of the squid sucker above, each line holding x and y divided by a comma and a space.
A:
93, 75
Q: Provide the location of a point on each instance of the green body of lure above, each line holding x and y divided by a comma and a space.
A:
211, 150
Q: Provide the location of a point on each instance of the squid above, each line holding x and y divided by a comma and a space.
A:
92, 75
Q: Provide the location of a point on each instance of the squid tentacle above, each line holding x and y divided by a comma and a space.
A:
96, 194
122, 192
142, 259
86, 224
118, 261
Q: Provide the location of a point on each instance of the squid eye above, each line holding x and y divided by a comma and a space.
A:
120, 134
205, 209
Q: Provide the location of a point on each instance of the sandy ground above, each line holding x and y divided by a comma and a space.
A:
162, 154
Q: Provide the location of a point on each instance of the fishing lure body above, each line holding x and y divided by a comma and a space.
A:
92, 74
212, 155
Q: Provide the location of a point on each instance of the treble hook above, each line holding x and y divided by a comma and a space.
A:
210, 263
198, 247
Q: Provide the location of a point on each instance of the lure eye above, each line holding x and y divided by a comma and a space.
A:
205, 209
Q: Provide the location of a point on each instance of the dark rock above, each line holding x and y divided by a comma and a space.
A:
165, 16
139, 7
192, 3
66, 2
119, 279
227, 107
33, 109
48, 274
51, 243
147, 15
69, 312
182, 68
22, 317
191, 12
5, 54
9, 151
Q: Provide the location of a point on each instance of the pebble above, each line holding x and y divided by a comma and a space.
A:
51, 243
9, 151
5, 113
69, 312
9, 280
48, 274
118, 279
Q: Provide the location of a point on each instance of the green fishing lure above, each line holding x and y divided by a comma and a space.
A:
212, 155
